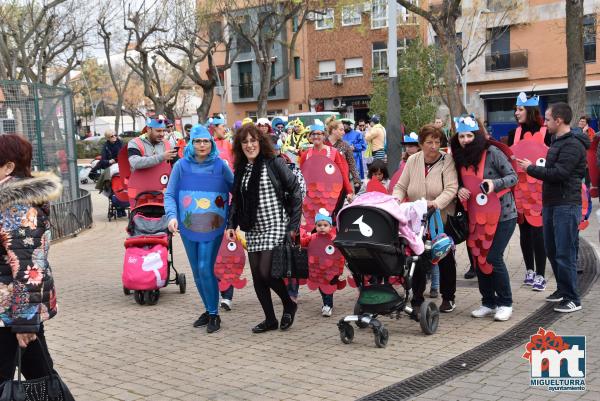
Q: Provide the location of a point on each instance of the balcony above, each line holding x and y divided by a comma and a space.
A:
506, 61
246, 91
501, 5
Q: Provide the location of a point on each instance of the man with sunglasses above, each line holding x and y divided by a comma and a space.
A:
152, 148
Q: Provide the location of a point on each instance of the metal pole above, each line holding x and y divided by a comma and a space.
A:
393, 134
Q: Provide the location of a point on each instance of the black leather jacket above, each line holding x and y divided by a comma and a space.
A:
288, 191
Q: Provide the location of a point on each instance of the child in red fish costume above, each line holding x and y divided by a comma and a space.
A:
325, 261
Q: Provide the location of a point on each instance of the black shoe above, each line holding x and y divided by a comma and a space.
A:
202, 320
567, 306
214, 324
554, 297
264, 326
288, 319
470, 273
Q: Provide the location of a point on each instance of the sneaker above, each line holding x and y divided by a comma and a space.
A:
202, 320
539, 283
503, 313
554, 297
529, 277
483, 311
567, 306
214, 324
470, 273
447, 306
226, 304
434, 293
326, 311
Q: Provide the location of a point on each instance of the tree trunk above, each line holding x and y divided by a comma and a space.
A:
575, 58
265, 87
207, 98
447, 37
118, 112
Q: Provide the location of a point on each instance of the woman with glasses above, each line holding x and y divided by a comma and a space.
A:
267, 206
108, 162
197, 205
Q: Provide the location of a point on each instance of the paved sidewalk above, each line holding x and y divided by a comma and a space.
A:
108, 347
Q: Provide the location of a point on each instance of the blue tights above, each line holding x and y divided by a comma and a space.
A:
202, 256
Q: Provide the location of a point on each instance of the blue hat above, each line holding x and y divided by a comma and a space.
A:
317, 127
466, 123
375, 119
159, 122
323, 215
277, 121
199, 131
522, 100
217, 121
411, 139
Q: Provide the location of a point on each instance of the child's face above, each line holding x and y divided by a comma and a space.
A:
378, 175
323, 227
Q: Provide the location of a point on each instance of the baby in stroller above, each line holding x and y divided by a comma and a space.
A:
382, 242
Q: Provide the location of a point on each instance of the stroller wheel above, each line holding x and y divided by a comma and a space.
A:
181, 282
430, 317
151, 297
346, 332
358, 311
139, 297
126, 291
381, 336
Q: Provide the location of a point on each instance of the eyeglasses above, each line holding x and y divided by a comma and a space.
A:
315, 133
250, 141
201, 141
112, 136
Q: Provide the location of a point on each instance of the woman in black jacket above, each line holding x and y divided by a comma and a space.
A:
110, 150
27, 293
267, 205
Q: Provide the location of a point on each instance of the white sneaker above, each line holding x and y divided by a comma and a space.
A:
326, 311
226, 304
503, 314
483, 311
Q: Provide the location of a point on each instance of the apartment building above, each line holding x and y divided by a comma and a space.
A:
527, 53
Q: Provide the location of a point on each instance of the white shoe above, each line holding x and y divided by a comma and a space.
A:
483, 311
226, 304
503, 314
326, 311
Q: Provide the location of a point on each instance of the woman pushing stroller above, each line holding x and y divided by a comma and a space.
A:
197, 205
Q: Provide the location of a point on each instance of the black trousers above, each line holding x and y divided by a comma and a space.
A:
447, 280
32, 358
532, 246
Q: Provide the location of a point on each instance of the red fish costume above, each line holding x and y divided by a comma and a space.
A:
325, 262
484, 213
593, 167
528, 191
229, 264
375, 185
324, 182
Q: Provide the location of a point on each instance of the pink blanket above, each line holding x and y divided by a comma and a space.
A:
408, 214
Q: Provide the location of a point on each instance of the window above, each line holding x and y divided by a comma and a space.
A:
245, 79
243, 45
325, 19
326, 68
378, 14
353, 66
589, 38
215, 33
351, 15
273, 91
296, 67
500, 48
295, 24
379, 57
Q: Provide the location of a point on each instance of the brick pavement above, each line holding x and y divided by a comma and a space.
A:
109, 348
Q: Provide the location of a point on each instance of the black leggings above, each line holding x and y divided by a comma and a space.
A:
32, 359
447, 280
532, 246
260, 265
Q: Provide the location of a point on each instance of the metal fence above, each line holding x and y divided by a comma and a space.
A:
44, 115
72, 216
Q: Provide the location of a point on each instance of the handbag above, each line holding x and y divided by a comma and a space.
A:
47, 388
299, 257
457, 226
289, 260
441, 244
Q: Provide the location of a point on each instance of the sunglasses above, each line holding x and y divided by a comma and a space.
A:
112, 136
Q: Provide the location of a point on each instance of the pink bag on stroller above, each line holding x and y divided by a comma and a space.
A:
145, 267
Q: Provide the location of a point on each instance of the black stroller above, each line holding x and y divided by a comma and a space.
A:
368, 238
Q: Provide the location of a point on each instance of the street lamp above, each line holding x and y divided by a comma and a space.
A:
464, 75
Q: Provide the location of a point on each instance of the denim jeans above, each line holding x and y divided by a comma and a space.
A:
228, 293
435, 277
327, 299
495, 287
561, 238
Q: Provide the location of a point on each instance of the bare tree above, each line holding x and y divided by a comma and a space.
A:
262, 24
575, 58
40, 40
146, 30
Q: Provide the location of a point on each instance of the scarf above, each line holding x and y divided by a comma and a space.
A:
248, 207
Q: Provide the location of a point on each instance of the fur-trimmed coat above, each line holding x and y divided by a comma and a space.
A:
27, 293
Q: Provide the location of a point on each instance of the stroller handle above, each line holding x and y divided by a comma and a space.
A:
154, 193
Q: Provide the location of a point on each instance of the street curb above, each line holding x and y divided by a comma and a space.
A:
469, 361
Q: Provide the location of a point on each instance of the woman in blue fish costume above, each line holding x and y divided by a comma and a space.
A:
196, 204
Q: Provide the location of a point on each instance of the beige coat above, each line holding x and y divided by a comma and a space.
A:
414, 185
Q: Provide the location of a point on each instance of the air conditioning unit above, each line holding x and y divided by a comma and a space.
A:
311, 16
337, 79
337, 102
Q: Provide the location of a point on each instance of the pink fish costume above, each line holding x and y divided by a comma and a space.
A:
325, 263
229, 264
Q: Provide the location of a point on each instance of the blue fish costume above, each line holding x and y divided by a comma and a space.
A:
198, 197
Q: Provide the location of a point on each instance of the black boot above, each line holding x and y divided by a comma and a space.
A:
470, 273
214, 324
